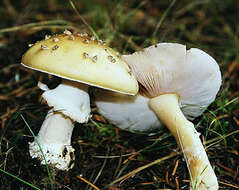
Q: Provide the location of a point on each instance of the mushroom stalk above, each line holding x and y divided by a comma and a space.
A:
70, 102
167, 108
54, 138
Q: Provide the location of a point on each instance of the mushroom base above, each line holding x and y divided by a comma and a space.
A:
61, 158
54, 138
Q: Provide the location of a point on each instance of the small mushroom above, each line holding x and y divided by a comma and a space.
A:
178, 85
70, 100
177, 79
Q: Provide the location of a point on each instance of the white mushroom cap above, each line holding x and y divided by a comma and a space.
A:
169, 68
82, 59
130, 113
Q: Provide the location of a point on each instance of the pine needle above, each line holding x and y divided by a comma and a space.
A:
132, 173
86, 181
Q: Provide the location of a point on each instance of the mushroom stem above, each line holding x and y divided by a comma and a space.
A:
167, 108
70, 102
54, 138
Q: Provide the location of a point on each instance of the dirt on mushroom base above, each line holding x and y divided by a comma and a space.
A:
191, 26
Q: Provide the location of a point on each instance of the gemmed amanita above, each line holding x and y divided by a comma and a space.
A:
173, 78
81, 61
177, 83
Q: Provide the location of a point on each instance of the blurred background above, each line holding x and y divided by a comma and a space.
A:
103, 152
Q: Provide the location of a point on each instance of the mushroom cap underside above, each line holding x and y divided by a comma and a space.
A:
169, 68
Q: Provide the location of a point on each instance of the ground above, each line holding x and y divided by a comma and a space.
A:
105, 153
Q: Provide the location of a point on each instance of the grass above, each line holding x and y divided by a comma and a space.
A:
36, 140
19, 179
107, 157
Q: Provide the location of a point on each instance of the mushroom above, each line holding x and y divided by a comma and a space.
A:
173, 77
80, 61
179, 85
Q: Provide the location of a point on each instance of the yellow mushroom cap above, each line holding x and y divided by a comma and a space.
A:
83, 59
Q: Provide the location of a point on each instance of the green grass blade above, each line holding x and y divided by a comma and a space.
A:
4, 130
163, 18
36, 140
83, 20
23, 181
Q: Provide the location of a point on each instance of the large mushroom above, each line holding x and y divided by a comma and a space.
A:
179, 85
80, 61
